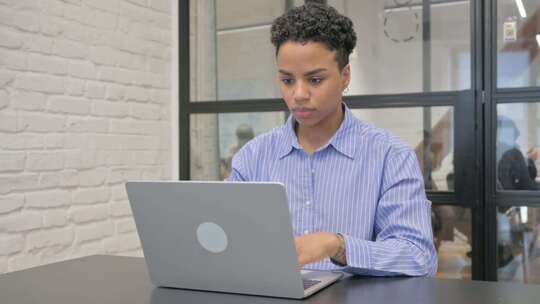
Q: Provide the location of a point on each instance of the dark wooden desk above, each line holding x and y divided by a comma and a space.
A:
110, 279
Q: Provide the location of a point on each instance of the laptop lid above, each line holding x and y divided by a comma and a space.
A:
218, 236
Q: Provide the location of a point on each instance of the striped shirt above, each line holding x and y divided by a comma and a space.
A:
365, 183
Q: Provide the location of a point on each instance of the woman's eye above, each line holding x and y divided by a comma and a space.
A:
287, 81
315, 81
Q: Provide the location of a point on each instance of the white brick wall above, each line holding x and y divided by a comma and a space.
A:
85, 98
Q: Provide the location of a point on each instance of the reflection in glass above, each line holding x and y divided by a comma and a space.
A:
215, 138
390, 57
228, 38
452, 236
518, 244
518, 64
429, 131
516, 146
231, 37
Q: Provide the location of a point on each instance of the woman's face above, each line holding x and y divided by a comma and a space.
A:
311, 82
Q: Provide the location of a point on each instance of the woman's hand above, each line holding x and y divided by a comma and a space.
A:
314, 247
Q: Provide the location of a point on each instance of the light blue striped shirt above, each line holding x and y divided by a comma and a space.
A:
365, 184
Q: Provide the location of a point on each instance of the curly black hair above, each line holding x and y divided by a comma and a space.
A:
315, 22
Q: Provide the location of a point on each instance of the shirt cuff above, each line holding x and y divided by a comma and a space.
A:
358, 252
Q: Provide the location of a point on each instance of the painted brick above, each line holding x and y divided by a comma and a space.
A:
69, 178
13, 60
161, 5
85, 159
123, 175
101, 19
110, 109
91, 196
89, 214
140, 143
54, 218
74, 87
6, 15
94, 231
4, 99
54, 141
72, 30
6, 77
87, 125
134, 127
21, 141
47, 64
147, 157
145, 111
95, 90
11, 244
134, 93
125, 225
117, 75
21, 222
18, 182
94, 177
8, 122
114, 158
82, 69
50, 238
39, 44
119, 193
10, 203
26, 21
123, 242
69, 104
103, 55
9, 39
11, 161
70, 49
106, 5
119, 209
23, 261
115, 92
83, 102
41, 161
40, 83
48, 199
31, 101
50, 26
49, 180
41, 123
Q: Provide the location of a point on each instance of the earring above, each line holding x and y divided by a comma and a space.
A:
346, 90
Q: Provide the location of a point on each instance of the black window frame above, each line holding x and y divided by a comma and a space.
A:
468, 112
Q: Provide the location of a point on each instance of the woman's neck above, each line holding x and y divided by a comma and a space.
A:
312, 138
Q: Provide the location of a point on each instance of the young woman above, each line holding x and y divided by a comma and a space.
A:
356, 194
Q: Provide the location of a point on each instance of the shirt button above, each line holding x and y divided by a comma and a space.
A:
306, 231
308, 203
313, 171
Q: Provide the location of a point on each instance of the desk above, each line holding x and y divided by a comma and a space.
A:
118, 280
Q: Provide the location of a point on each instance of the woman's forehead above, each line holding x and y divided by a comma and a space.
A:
305, 56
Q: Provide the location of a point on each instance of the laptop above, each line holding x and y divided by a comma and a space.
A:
221, 236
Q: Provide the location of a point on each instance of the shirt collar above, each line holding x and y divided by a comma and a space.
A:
344, 140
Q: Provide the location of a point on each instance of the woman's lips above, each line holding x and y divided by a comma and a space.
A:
303, 113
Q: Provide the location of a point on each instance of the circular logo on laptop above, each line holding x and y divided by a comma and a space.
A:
212, 237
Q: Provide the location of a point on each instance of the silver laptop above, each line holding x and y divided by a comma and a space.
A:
221, 236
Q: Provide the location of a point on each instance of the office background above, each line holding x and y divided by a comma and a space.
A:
89, 98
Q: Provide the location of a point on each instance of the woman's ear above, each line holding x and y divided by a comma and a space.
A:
346, 76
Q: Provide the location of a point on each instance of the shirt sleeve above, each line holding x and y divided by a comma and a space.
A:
403, 236
239, 164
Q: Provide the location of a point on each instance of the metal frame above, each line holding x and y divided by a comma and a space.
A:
495, 198
184, 87
468, 124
